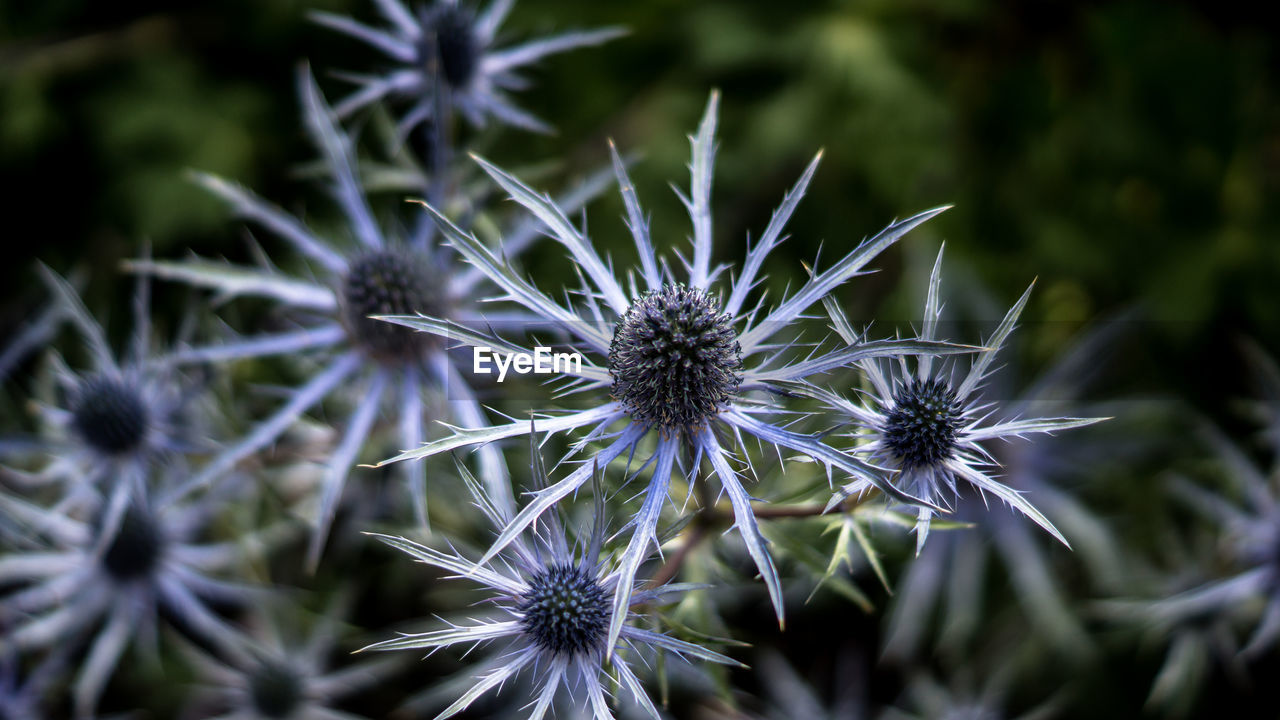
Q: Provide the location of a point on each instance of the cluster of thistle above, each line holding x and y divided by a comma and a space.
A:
134, 522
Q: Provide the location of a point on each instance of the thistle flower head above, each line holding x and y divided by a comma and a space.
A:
108, 419
551, 610
565, 611
136, 546
109, 579
921, 426
371, 363
1041, 470
672, 356
450, 46
928, 426
446, 56
281, 667
674, 359
110, 415
275, 689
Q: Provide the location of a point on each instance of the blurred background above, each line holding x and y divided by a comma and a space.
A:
1126, 154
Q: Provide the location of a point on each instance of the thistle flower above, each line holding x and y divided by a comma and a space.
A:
114, 583
929, 426
676, 357
551, 612
1249, 521
379, 364
109, 425
443, 56
950, 574
275, 674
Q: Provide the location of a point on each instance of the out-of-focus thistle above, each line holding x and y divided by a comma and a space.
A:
929, 426
1201, 624
552, 604
443, 56
678, 357
276, 672
961, 698
22, 697
115, 583
107, 427
791, 695
385, 272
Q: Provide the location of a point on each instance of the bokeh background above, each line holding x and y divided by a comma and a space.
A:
1126, 154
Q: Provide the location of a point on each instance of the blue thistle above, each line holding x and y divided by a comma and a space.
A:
675, 356
275, 671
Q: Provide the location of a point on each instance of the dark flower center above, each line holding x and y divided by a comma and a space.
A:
390, 283
921, 428
276, 690
109, 415
674, 358
565, 612
135, 549
449, 44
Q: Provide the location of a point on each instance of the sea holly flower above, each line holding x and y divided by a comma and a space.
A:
444, 56
1249, 520
678, 358
552, 604
115, 583
928, 426
384, 271
23, 696
106, 427
948, 577
964, 697
788, 695
276, 673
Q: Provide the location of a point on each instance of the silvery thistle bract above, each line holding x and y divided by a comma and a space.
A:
551, 613
443, 56
928, 426
89, 579
276, 672
385, 272
671, 356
